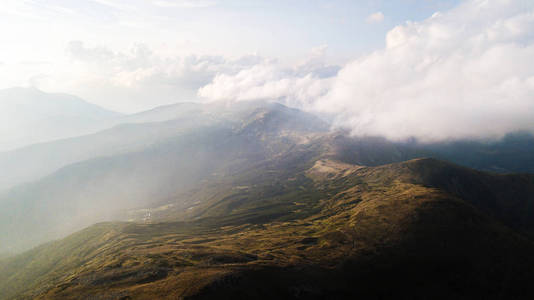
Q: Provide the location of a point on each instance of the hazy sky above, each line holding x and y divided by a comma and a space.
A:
426, 68
130, 55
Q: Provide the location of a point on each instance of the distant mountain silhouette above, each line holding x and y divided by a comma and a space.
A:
29, 116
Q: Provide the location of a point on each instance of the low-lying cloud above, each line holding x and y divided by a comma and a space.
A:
464, 73
296, 86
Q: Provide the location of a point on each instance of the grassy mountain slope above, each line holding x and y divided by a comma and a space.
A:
157, 162
406, 230
103, 188
165, 163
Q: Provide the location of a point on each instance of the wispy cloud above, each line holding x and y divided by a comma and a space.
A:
116, 4
20, 8
376, 17
134, 5
184, 3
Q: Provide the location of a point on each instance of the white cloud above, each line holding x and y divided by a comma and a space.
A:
269, 80
141, 65
376, 17
140, 78
467, 72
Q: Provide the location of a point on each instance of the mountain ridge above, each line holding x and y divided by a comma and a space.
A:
166, 167
370, 232
30, 116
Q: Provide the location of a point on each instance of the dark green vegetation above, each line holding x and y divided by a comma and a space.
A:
419, 229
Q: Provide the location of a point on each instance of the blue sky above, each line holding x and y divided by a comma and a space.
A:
282, 29
300, 25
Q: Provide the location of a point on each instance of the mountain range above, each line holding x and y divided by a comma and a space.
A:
259, 200
29, 116
411, 230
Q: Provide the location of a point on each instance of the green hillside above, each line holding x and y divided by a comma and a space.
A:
178, 162
407, 230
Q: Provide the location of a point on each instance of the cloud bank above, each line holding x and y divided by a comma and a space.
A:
464, 73
296, 86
